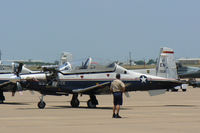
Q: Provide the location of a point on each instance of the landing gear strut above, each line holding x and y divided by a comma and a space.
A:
2, 97
75, 102
92, 102
41, 103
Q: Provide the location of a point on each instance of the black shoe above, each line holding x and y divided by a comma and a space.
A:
118, 116
114, 116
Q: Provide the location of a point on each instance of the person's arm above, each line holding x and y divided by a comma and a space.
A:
123, 87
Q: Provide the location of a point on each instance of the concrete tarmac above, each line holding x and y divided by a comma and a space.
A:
172, 112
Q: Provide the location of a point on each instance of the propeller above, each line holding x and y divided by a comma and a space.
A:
17, 70
19, 87
52, 77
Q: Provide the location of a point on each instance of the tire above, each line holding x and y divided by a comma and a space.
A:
41, 105
90, 104
1, 101
184, 90
174, 90
75, 103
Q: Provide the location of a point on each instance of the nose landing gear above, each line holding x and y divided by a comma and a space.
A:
41, 103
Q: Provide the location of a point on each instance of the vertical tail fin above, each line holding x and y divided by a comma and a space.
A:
87, 64
65, 57
166, 65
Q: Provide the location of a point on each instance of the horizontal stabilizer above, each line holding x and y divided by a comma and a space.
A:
84, 90
156, 92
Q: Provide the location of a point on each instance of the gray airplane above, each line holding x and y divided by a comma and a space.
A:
188, 72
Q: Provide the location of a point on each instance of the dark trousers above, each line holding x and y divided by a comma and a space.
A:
118, 99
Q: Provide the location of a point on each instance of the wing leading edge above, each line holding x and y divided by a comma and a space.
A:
88, 89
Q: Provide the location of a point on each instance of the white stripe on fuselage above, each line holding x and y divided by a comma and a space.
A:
130, 76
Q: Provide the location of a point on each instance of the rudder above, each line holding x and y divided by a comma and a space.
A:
166, 65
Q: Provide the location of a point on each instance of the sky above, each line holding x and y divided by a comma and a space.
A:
102, 29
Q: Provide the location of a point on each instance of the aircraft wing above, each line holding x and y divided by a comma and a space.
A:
4, 84
84, 90
7, 86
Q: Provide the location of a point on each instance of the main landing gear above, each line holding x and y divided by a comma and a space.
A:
2, 97
75, 102
91, 103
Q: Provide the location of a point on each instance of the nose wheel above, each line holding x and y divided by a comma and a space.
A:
41, 103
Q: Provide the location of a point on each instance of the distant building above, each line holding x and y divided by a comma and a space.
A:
189, 61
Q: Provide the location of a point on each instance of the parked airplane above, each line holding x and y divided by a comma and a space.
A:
6, 72
90, 82
20, 68
9, 68
166, 67
167, 60
188, 72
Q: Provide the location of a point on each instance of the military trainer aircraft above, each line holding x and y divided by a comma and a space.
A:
167, 67
167, 60
90, 82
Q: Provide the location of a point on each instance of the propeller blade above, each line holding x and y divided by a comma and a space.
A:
13, 93
19, 87
19, 69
